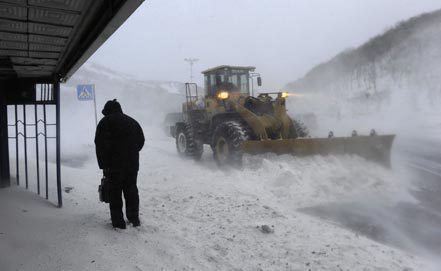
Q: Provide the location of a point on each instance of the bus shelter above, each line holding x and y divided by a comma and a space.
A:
42, 43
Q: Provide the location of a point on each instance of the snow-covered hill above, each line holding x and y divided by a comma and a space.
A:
395, 76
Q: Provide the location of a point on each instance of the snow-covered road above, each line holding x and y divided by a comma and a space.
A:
414, 225
197, 217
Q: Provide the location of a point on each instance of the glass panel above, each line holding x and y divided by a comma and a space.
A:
212, 80
244, 84
206, 84
234, 79
212, 87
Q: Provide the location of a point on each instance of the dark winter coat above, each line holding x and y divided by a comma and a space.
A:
118, 140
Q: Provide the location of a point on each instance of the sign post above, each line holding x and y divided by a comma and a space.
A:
87, 93
94, 104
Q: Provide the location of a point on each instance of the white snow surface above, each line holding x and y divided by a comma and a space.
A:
198, 217
194, 215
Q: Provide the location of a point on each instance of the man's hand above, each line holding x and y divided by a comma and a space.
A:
106, 172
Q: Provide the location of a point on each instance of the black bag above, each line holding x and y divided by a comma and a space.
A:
104, 190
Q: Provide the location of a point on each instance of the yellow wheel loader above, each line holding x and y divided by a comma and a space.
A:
233, 122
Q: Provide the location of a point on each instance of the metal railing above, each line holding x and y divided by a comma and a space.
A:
189, 97
47, 98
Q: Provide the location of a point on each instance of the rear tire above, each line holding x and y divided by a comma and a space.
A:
186, 144
227, 142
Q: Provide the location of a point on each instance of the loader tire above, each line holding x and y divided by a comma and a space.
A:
227, 141
298, 129
186, 144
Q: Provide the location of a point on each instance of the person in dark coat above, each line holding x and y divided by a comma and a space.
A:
118, 140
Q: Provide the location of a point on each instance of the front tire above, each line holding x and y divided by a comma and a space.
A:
227, 143
186, 144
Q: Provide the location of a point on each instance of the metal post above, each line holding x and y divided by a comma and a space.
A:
94, 103
5, 175
25, 146
191, 72
45, 149
57, 98
37, 149
17, 170
191, 61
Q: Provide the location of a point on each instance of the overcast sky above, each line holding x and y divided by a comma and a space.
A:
282, 38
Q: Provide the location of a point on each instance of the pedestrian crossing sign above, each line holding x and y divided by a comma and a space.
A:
85, 92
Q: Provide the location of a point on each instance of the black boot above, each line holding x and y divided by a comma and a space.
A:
119, 225
135, 222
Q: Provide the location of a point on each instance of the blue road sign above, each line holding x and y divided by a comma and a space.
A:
85, 92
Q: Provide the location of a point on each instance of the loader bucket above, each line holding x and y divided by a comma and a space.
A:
375, 148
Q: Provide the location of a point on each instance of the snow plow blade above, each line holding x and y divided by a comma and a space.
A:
375, 148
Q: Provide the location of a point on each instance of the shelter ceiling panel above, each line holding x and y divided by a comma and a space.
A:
45, 47
13, 12
13, 53
15, 45
47, 40
13, 37
13, 26
68, 5
53, 17
50, 30
33, 61
44, 55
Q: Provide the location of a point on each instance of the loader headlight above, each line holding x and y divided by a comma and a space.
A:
223, 95
285, 94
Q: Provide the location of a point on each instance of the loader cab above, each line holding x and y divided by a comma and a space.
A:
228, 78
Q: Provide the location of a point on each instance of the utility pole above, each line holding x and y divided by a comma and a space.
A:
191, 61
